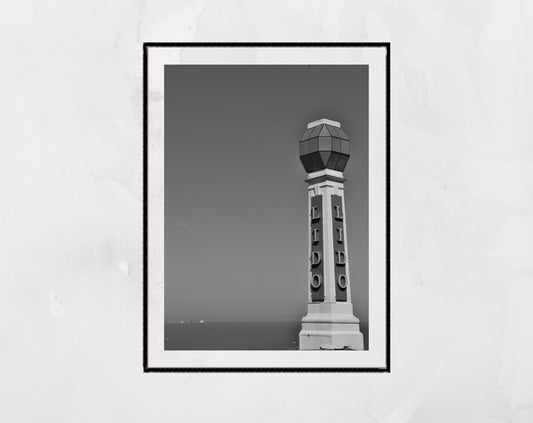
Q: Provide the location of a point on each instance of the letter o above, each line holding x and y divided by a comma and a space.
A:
316, 281
341, 281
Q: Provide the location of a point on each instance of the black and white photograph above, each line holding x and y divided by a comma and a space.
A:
264, 209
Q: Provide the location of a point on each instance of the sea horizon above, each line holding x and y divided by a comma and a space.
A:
201, 334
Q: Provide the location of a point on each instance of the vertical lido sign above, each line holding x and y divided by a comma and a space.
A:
316, 258
341, 279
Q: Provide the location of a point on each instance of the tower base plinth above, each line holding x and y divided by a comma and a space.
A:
330, 327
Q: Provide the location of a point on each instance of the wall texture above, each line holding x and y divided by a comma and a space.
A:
71, 215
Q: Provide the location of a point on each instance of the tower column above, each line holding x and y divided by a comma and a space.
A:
329, 322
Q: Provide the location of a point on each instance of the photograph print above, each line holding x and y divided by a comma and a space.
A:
266, 208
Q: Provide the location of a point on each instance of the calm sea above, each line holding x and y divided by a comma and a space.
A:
232, 336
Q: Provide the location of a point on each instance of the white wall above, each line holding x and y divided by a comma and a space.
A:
71, 213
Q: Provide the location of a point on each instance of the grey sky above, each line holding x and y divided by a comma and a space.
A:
235, 191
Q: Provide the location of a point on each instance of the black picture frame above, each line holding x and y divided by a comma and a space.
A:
146, 368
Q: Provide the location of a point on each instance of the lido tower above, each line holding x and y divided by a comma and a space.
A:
329, 323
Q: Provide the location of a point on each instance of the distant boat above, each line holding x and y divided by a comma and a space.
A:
182, 321
201, 321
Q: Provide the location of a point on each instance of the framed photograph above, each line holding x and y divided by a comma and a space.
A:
266, 207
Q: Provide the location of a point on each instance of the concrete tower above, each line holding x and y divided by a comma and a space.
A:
329, 323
